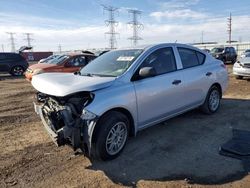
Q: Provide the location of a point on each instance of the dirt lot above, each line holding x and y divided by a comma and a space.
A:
181, 152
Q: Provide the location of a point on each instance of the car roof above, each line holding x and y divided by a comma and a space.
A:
147, 46
72, 54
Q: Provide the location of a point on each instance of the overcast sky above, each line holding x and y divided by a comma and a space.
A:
79, 24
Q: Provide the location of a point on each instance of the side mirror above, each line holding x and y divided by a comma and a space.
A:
146, 72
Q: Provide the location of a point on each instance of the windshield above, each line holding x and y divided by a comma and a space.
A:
247, 54
217, 50
113, 63
58, 60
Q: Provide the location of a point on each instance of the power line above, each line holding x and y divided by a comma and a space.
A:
135, 24
12, 41
230, 28
111, 23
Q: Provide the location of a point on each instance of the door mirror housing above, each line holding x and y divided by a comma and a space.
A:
146, 72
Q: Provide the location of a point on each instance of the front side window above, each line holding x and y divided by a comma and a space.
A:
190, 58
77, 61
111, 64
162, 60
59, 59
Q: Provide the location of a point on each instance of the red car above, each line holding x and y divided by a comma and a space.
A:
64, 63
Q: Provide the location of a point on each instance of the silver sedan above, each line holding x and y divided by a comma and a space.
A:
127, 90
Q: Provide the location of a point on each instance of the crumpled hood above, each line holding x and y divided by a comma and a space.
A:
62, 84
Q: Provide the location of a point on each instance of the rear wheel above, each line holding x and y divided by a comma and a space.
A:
17, 71
112, 136
212, 102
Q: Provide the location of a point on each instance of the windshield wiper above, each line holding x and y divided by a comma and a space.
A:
99, 75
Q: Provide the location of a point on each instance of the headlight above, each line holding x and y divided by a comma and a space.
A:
37, 71
237, 64
87, 115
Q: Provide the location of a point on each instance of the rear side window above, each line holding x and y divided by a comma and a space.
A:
201, 57
191, 58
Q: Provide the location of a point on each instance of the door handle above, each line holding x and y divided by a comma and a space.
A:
176, 82
209, 74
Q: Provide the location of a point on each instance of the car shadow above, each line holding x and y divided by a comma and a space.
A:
10, 77
185, 147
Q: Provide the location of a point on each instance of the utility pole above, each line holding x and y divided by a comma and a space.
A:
135, 24
111, 23
12, 41
28, 38
59, 48
229, 20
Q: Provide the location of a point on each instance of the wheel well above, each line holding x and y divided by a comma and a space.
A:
219, 87
121, 110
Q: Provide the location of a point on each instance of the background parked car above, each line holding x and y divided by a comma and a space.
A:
225, 54
244, 53
45, 60
63, 63
242, 67
13, 63
206, 50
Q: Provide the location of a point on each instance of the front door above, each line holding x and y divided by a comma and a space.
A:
161, 95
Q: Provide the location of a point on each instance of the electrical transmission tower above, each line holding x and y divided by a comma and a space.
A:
12, 41
111, 23
28, 38
136, 25
229, 20
60, 48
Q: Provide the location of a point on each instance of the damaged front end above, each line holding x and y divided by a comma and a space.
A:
66, 120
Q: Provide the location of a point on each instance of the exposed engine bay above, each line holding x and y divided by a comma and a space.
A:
63, 116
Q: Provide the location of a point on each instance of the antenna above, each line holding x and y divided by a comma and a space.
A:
135, 24
12, 41
111, 23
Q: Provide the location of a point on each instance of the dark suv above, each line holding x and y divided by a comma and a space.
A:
13, 63
225, 54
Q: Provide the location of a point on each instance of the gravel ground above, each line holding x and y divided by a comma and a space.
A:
181, 152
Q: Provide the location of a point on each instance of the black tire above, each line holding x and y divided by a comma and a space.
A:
17, 70
208, 107
107, 123
239, 77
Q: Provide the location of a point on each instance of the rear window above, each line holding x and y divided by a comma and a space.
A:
191, 58
16, 57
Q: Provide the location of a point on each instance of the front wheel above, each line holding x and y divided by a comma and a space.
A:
112, 136
212, 102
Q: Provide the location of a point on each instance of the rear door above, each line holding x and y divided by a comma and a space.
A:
161, 95
196, 76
